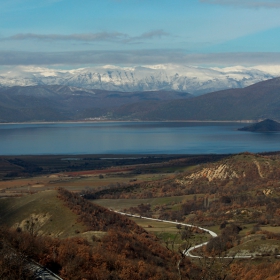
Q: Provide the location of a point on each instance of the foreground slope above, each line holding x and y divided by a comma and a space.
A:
237, 195
124, 251
45, 210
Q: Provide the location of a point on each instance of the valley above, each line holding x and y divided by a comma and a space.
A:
235, 196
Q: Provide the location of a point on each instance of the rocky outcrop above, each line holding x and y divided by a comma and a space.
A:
220, 172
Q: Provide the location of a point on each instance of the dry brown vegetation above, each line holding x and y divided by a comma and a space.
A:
127, 251
237, 196
244, 188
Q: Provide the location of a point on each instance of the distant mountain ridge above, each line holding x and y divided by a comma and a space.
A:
256, 102
170, 77
64, 103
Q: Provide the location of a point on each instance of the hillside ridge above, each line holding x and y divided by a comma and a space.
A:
263, 126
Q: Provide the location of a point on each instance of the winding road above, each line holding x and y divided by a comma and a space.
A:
187, 252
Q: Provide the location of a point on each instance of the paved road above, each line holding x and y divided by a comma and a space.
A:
39, 272
42, 273
188, 252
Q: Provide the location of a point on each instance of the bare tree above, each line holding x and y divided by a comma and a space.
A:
179, 244
13, 265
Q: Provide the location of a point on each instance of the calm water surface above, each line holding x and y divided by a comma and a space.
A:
132, 138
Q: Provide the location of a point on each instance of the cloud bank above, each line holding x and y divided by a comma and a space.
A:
137, 57
89, 37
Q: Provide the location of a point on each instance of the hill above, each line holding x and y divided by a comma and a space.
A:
258, 101
125, 250
236, 196
45, 210
263, 126
224, 188
58, 103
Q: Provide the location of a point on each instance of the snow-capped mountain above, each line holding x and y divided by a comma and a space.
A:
195, 80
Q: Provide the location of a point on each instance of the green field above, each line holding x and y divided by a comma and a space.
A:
257, 246
47, 212
169, 232
119, 204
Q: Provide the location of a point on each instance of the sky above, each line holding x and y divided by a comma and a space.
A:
72, 33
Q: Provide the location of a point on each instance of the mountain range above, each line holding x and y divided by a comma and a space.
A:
170, 77
256, 102
68, 103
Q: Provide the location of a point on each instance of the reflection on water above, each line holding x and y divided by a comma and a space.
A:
132, 138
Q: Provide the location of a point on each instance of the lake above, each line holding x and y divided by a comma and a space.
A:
132, 138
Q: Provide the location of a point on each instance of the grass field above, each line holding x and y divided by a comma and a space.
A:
169, 232
257, 246
119, 204
271, 229
20, 186
48, 213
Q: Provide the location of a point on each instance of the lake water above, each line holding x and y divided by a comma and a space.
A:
132, 138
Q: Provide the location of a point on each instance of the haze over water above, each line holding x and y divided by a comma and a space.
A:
132, 138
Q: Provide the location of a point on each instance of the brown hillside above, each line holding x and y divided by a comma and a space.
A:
244, 188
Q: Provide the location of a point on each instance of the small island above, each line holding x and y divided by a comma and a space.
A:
263, 126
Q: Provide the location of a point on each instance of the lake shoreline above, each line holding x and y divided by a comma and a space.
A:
119, 121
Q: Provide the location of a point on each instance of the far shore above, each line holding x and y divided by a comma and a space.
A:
122, 121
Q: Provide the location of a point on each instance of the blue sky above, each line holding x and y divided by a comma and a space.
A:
137, 32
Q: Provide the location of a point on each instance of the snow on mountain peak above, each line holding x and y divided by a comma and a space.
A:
271, 69
192, 79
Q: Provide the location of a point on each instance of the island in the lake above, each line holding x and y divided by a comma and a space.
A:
263, 126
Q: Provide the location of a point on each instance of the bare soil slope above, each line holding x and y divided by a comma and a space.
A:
44, 210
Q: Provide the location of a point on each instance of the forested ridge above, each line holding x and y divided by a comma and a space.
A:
96, 217
244, 186
125, 250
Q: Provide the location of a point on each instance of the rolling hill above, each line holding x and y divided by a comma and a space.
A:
242, 189
124, 250
45, 210
236, 195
